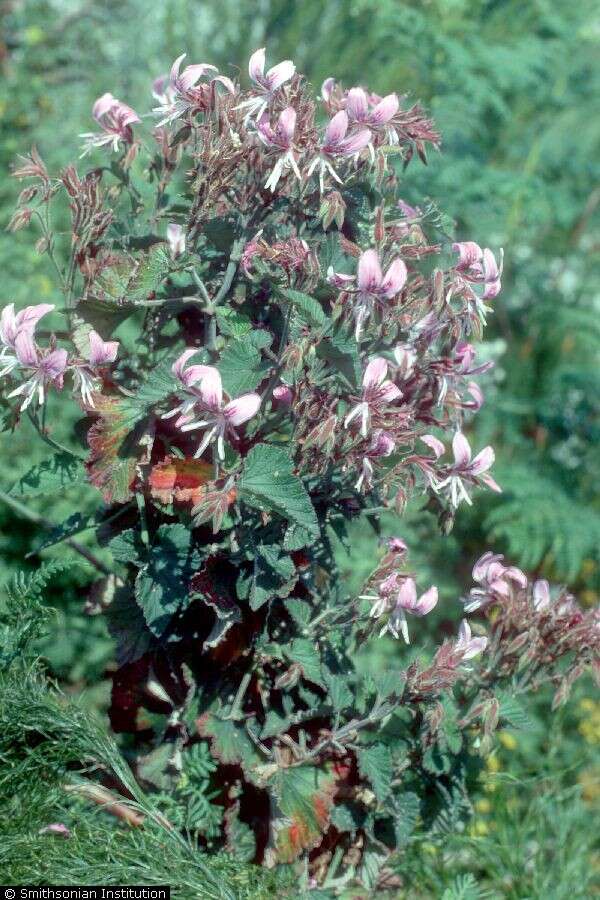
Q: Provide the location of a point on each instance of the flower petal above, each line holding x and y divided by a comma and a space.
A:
461, 449
101, 351
336, 128
375, 372
434, 444
211, 388
357, 105
407, 595
256, 65
243, 408
369, 271
483, 461
395, 278
25, 349
279, 74
426, 602
385, 110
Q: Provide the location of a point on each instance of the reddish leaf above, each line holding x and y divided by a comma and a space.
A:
115, 449
179, 479
301, 800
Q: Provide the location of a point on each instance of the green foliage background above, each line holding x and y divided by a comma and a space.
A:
514, 86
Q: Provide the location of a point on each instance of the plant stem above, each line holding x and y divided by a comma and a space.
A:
32, 516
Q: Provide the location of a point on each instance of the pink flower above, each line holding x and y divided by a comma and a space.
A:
217, 418
378, 391
101, 352
275, 77
479, 267
175, 239
337, 141
408, 602
434, 444
360, 109
374, 287
405, 358
115, 119
469, 646
280, 139
185, 94
338, 144
327, 89
11, 323
44, 368
265, 83
466, 468
496, 581
382, 444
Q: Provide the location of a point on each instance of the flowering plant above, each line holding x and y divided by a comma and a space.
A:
293, 351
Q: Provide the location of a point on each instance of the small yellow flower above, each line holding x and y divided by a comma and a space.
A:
483, 806
508, 740
492, 763
478, 828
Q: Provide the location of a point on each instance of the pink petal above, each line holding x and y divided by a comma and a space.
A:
481, 567
541, 594
55, 363
8, 325
390, 391
174, 74
354, 143
211, 388
426, 602
287, 124
491, 483
192, 74
242, 409
407, 595
101, 351
375, 372
357, 105
461, 449
336, 128
226, 82
468, 253
483, 461
434, 444
369, 272
490, 267
382, 445
492, 289
256, 65
517, 576
395, 278
28, 318
327, 88
102, 105
464, 633
385, 110
25, 349
476, 393
279, 74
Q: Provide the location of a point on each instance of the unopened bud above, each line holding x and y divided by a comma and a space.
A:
21, 218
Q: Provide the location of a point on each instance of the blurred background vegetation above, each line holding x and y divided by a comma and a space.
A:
514, 86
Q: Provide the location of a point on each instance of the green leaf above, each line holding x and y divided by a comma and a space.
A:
52, 476
407, 807
269, 484
299, 610
339, 350
162, 585
241, 367
232, 322
127, 547
306, 654
274, 575
340, 694
376, 765
513, 712
309, 309
229, 742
